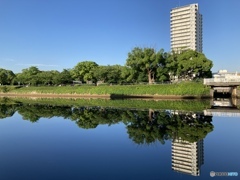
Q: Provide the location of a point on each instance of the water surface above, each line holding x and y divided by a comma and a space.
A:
66, 142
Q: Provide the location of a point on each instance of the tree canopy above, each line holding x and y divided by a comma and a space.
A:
84, 71
6, 76
147, 61
109, 74
189, 64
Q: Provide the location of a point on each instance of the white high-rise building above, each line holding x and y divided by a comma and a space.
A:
186, 28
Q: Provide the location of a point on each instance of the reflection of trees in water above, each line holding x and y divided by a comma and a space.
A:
7, 110
84, 118
163, 125
34, 112
148, 127
142, 126
91, 117
190, 126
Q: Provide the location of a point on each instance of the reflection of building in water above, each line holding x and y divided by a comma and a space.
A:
187, 157
225, 107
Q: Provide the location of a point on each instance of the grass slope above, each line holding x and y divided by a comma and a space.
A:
185, 88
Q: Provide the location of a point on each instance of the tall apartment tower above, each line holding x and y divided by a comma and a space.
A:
186, 28
187, 157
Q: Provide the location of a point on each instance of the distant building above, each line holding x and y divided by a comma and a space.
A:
187, 157
226, 74
186, 28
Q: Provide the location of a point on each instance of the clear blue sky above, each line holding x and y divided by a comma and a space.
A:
57, 34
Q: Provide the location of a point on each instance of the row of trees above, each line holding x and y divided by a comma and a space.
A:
142, 65
33, 76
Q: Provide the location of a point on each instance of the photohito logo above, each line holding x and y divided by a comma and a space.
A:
212, 173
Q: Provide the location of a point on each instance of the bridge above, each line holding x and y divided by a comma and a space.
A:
224, 83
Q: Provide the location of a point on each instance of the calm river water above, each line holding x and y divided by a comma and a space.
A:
65, 142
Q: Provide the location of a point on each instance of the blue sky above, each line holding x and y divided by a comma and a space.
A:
57, 34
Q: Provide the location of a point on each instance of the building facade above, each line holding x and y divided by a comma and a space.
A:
186, 28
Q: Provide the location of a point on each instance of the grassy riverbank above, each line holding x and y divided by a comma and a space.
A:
180, 89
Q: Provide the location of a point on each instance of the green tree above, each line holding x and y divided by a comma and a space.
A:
29, 76
128, 74
162, 71
110, 74
84, 71
189, 64
54, 77
146, 60
3, 77
10, 77
45, 77
6, 76
101, 73
65, 76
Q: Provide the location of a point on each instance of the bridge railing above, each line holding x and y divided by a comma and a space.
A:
221, 80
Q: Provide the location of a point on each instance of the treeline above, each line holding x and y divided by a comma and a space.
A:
143, 127
142, 65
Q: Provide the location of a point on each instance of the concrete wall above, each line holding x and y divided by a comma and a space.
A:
238, 93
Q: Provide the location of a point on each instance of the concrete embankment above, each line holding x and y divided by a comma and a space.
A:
105, 96
238, 93
42, 95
